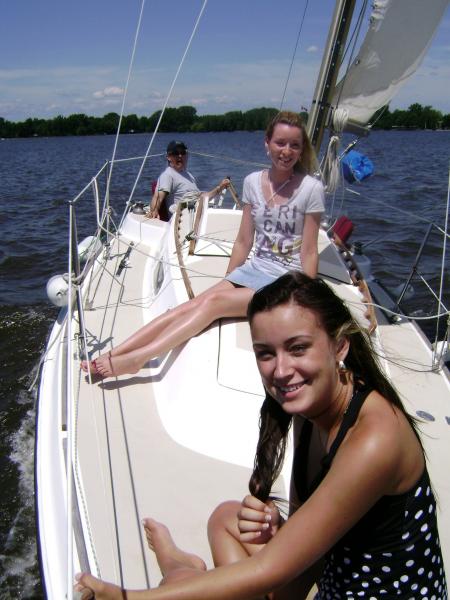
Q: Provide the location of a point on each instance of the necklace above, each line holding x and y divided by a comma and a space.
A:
275, 192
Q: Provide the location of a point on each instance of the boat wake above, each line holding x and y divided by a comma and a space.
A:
23, 333
19, 573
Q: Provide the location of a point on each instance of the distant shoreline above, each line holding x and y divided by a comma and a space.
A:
184, 119
182, 133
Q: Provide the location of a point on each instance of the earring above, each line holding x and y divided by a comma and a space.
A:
342, 366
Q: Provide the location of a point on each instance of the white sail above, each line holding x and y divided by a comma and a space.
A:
399, 34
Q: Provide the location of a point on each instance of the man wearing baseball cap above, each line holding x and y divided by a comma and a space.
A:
175, 182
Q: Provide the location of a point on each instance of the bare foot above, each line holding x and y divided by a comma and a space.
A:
168, 555
91, 587
113, 366
89, 366
93, 365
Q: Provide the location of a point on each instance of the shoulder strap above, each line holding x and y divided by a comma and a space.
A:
300, 463
350, 416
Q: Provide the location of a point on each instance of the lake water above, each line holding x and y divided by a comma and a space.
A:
39, 176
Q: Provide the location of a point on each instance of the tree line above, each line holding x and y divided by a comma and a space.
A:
185, 119
416, 117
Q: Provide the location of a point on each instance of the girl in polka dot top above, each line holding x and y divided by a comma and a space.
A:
362, 520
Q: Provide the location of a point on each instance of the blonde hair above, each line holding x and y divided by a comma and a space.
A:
307, 162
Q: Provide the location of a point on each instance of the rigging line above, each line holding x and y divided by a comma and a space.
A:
400, 210
169, 94
432, 292
122, 160
77, 476
444, 249
293, 55
230, 159
355, 35
398, 314
124, 97
70, 401
381, 112
405, 363
356, 31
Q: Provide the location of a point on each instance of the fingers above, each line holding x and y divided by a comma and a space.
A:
254, 519
85, 585
91, 587
253, 509
251, 502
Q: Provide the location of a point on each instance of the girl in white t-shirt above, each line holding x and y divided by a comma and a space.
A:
282, 210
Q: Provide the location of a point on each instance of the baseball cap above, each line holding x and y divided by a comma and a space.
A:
175, 145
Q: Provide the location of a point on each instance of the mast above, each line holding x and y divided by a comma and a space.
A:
329, 68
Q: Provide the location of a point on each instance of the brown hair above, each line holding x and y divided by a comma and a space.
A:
307, 162
361, 361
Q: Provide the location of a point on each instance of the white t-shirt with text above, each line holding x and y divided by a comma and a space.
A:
279, 228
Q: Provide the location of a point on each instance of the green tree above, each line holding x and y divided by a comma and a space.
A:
110, 122
131, 124
185, 118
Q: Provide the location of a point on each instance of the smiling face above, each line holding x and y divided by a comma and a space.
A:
285, 146
297, 360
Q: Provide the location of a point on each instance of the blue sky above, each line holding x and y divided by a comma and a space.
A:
60, 57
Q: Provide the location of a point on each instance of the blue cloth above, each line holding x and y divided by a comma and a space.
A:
356, 166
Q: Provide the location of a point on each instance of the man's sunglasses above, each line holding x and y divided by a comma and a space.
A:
178, 153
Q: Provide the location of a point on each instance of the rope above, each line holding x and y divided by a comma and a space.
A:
169, 94
354, 36
214, 242
393, 207
238, 161
444, 250
130, 67
293, 55
70, 412
179, 251
331, 163
331, 170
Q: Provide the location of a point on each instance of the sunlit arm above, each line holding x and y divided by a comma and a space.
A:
244, 240
308, 252
157, 200
218, 188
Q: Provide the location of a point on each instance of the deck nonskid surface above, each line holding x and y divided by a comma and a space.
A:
162, 443
130, 466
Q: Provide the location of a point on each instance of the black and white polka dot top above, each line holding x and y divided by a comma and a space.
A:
393, 551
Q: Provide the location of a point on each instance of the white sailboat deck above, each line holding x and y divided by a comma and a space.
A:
172, 441
179, 437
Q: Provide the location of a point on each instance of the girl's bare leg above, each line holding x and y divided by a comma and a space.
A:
175, 564
223, 535
186, 321
143, 336
149, 332
226, 548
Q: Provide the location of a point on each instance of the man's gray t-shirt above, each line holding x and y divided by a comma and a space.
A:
176, 184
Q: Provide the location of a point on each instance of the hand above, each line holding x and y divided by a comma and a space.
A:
224, 184
152, 213
258, 522
91, 587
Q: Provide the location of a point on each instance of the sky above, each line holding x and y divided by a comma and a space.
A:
59, 57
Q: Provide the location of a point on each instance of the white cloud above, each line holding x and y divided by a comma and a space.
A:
109, 91
228, 86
